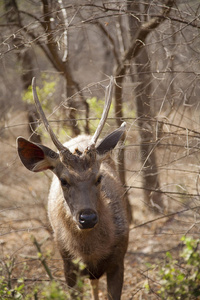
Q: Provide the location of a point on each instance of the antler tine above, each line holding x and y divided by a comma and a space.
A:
56, 142
108, 100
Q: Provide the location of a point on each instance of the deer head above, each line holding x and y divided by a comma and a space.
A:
79, 172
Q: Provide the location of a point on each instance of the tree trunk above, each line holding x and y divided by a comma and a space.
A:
64, 68
119, 119
25, 59
146, 131
144, 114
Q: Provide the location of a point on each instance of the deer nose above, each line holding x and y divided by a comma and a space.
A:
87, 219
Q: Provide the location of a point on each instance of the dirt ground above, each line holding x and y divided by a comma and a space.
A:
23, 200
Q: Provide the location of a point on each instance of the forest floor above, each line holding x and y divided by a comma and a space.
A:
23, 200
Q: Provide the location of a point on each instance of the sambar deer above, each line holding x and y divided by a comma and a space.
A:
86, 207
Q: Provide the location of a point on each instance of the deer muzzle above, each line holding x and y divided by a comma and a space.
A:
87, 219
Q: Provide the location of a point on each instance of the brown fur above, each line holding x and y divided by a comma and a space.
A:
90, 183
110, 236
86, 204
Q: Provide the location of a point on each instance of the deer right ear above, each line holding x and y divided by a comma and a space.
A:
111, 140
36, 157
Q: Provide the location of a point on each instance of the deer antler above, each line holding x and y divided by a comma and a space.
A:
56, 142
108, 100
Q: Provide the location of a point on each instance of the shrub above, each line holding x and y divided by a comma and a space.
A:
180, 279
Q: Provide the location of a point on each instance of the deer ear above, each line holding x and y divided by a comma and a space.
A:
111, 140
36, 157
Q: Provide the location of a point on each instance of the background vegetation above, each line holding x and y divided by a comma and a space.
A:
152, 48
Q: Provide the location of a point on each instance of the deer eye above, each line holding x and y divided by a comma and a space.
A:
64, 183
98, 180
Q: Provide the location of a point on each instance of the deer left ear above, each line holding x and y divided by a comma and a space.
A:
36, 157
111, 140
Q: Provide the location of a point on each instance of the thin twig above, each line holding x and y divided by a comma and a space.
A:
165, 216
42, 258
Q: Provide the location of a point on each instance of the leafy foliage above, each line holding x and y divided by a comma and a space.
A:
12, 288
14, 293
7, 289
180, 279
45, 93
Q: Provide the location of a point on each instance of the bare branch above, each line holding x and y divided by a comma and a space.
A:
65, 42
42, 258
165, 216
139, 39
110, 38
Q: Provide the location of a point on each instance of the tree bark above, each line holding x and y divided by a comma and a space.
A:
63, 66
143, 104
24, 57
146, 131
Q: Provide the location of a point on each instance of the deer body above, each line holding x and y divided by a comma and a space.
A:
86, 207
103, 246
